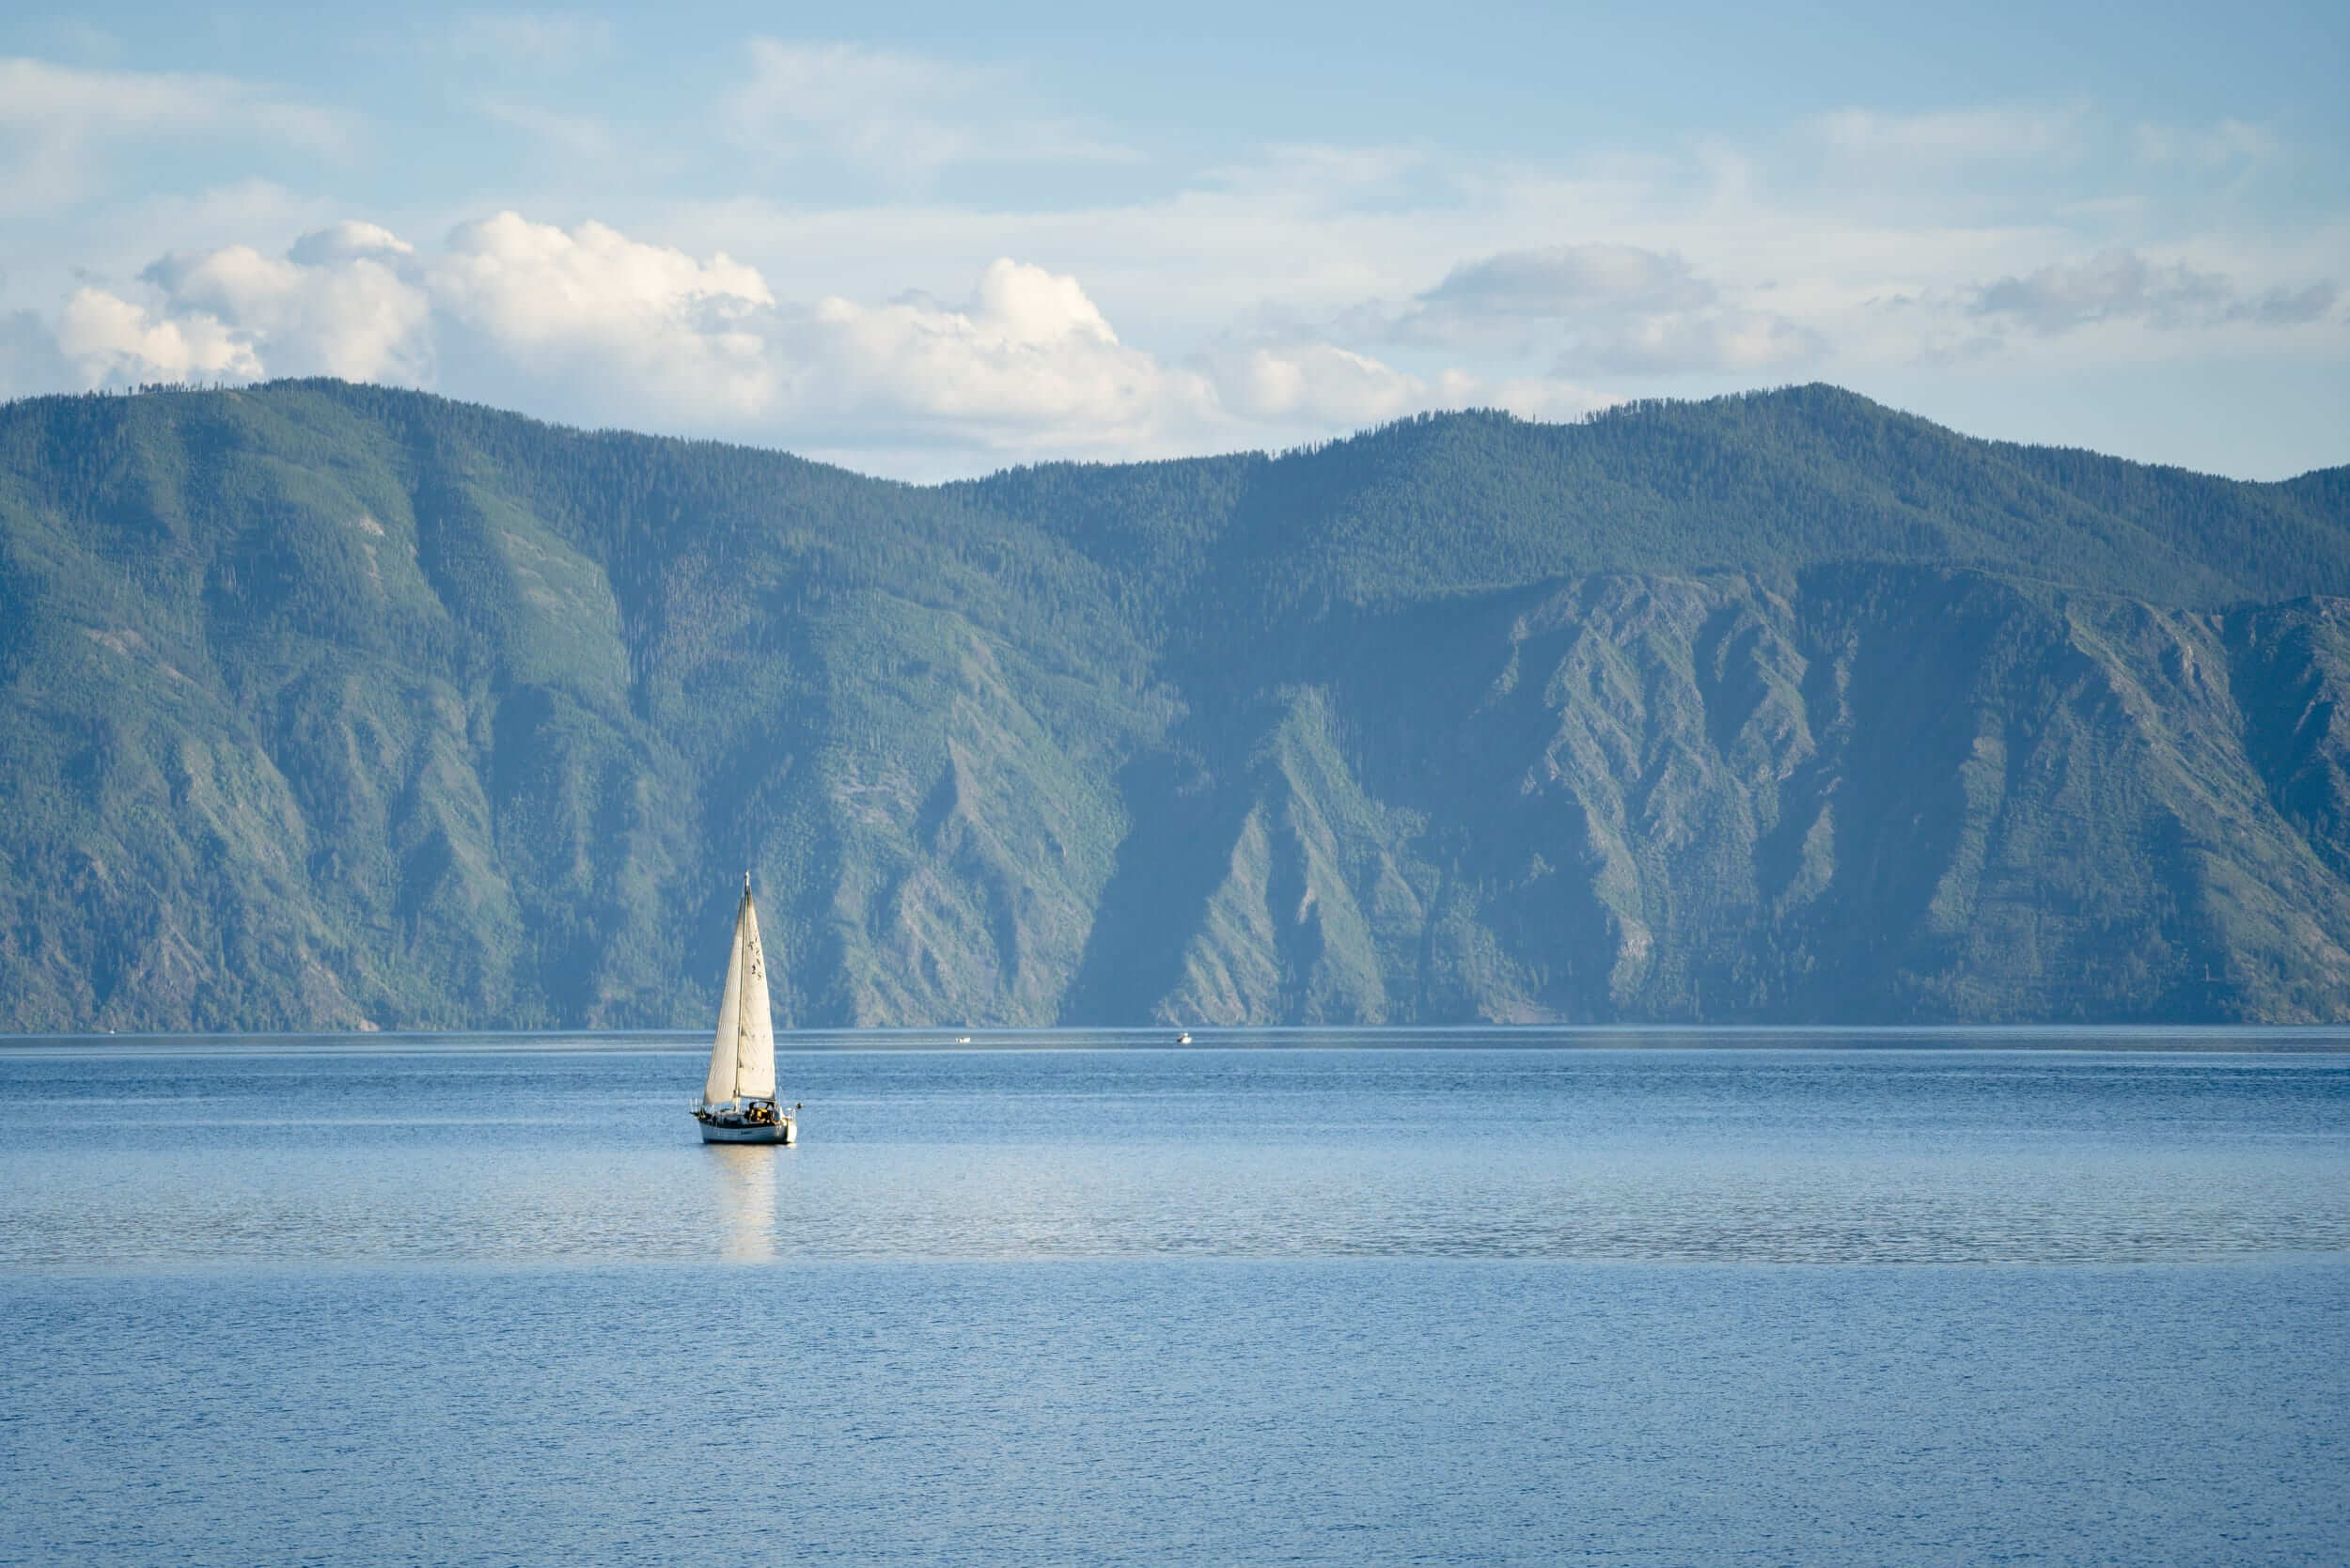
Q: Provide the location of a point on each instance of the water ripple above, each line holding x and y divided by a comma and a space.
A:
209, 1159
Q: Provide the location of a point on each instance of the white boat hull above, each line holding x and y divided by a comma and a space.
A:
783, 1130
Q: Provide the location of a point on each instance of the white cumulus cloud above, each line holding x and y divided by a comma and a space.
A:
599, 321
110, 339
618, 322
590, 325
345, 301
1310, 385
1027, 359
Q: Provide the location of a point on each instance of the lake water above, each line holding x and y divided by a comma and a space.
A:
490, 1302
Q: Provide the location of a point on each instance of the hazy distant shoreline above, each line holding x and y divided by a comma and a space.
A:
2326, 1037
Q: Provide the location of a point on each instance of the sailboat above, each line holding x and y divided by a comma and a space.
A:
737, 1102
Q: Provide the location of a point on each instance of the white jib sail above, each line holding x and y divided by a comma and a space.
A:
743, 1058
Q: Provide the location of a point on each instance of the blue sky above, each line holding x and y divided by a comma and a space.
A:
932, 240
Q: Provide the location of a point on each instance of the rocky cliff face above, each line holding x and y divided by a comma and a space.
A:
1864, 792
328, 707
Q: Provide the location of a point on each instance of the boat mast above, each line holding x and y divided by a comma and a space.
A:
753, 974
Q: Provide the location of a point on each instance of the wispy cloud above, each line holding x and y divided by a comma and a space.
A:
897, 115
78, 36
1679, 343
2207, 146
57, 100
2121, 286
1992, 134
579, 136
538, 39
1598, 307
1565, 279
55, 119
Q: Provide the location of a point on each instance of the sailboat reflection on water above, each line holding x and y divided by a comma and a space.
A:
737, 1102
746, 1196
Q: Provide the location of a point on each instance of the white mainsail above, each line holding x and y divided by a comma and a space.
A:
742, 1059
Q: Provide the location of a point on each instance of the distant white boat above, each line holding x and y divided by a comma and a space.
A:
1183, 1038
737, 1102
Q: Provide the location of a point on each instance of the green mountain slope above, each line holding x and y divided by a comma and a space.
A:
337, 706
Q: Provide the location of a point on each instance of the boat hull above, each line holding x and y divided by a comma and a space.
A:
781, 1131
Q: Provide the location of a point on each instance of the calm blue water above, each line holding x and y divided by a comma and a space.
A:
1755, 1305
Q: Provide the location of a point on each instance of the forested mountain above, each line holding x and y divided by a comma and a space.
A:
336, 706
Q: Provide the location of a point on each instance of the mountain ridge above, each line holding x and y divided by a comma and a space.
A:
336, 704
